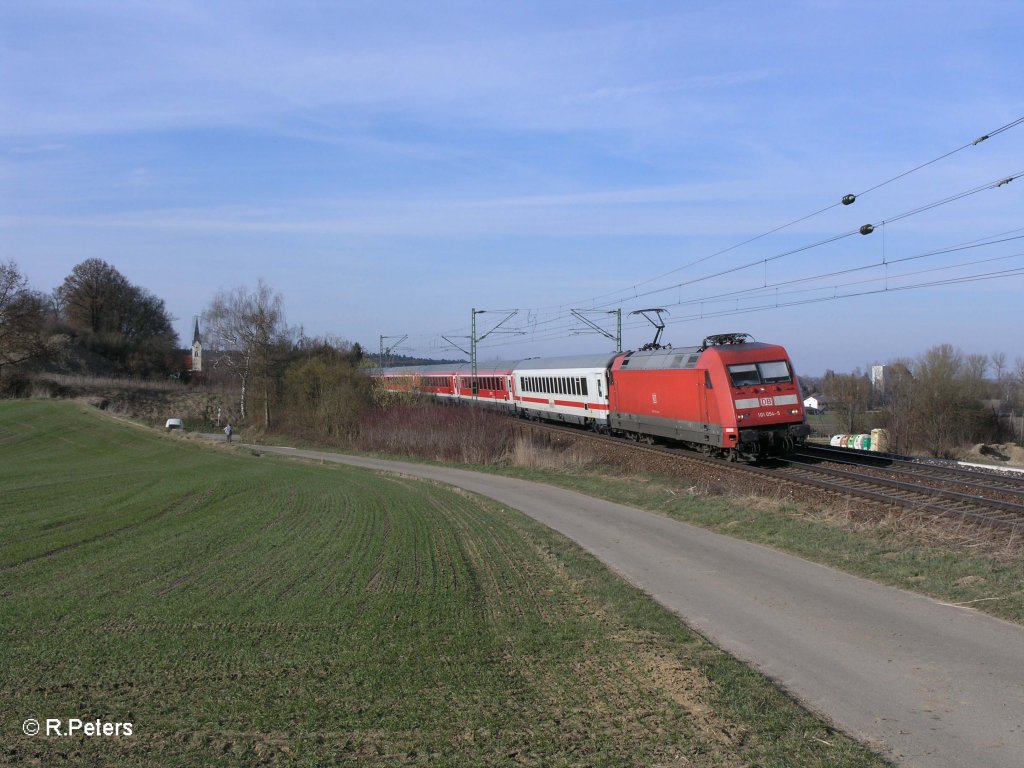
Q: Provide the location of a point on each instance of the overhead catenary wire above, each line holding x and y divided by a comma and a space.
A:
553, 320
753, 292
801, 219
559, 330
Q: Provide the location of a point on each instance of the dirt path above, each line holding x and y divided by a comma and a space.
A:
929, 684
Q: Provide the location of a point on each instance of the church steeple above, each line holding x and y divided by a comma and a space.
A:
197, 350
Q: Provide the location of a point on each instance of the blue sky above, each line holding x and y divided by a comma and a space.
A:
388, 166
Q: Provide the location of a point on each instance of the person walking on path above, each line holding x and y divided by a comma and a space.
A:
229, 431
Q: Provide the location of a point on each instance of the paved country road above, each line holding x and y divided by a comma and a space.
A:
926, 683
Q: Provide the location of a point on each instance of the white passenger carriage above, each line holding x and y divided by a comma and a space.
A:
567, 389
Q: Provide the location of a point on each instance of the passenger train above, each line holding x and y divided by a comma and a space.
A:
730, 396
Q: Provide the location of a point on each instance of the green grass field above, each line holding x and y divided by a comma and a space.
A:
244, 610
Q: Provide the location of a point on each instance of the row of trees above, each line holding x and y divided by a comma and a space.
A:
99, 322
285, 380
936, 403
96, 311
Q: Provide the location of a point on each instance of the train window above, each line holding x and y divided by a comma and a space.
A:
583, 388
707, 380
774, 372
744, 375
751, 374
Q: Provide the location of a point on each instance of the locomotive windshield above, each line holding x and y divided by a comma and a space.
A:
752, 374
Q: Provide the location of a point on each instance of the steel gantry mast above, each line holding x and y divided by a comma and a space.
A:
617, 338
389, 350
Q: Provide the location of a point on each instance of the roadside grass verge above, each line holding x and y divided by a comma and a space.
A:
953, 563
950, 561
244, 610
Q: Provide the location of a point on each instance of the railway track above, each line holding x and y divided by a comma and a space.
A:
978, 497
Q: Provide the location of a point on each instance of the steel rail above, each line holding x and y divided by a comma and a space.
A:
925, 473
882, 490
991, 477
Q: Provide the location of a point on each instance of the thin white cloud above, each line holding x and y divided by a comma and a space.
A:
39, 149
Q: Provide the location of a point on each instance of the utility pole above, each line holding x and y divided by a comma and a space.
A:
617, 338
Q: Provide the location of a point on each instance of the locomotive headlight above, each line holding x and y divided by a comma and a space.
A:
794, 411
740, 416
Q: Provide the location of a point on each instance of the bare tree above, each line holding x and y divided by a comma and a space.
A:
246, 330
22, 318
975, 367
849, 395
899, 403
1002, 374
947, 410
126, 324
90, 296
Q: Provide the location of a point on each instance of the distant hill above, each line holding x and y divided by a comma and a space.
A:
398, 361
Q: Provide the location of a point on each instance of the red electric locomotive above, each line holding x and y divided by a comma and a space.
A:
729, 396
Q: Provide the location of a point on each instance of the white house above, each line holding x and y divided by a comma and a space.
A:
812, 403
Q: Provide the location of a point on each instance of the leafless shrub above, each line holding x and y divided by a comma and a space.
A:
437, 432
527, 451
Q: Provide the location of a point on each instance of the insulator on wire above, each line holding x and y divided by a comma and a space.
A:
867, 229
848, 199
